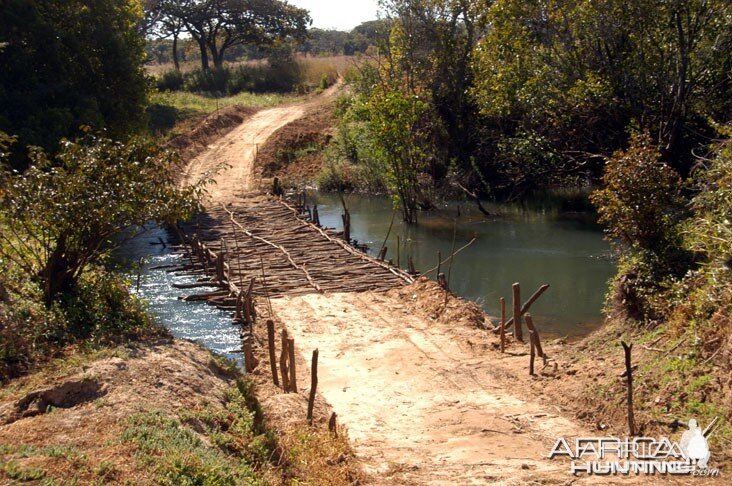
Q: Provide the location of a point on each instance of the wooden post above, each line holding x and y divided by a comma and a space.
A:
528, 303
410, 266
503, 324
346, 226
316, 216
532, 339
535, 335
629, 376
249, 364
313, 385
517, 332
382, 253
272, 358
332, 424
283, 363
220, 276
239, 304
399, 245
291, 354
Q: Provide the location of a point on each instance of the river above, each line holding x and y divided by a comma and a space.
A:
531, 246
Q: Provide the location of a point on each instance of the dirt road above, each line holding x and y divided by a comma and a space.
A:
229, 162
423, 398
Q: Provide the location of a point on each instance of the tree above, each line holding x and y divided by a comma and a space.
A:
62, 213
219, 25
67, 64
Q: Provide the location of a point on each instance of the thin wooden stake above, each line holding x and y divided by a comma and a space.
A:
249, 364
313, 385
530, 325
272, 358
503, 324
629, 376
291, 353
532, 354
283, 363
316, 216
517, 333
332, 426
528, 304
399, 245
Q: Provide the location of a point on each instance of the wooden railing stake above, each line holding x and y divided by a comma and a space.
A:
517, 332
272, 358
629, 376
313, 385
291, 354
503, 324
283, 363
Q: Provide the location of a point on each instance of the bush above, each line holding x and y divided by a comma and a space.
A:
641, 202
642, 208
170, 81
102, 310
59, 215
210, 81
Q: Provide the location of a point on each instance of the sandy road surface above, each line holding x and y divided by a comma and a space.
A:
230, 160
421, 405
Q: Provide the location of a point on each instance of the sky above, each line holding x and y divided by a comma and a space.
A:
338, 14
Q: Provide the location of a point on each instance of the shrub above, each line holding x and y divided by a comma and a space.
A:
170, 81
641, 201
641, 206
59, 215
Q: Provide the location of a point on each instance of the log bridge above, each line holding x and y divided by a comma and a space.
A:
266, 247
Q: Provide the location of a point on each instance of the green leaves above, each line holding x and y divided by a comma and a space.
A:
62, 213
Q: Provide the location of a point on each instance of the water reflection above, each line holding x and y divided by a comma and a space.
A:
531, 247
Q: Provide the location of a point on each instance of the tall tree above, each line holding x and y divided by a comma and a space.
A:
219, 25
70, 63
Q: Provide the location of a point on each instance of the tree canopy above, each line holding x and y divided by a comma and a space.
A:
70, 63
219, 25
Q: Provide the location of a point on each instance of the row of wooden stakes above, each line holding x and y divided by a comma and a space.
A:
521, 313
246, 315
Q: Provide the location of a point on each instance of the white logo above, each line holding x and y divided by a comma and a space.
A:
604, 456
694, 445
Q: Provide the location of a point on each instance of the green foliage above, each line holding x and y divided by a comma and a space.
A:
102, 311
67, 64
578, 73
60, 214
640, 203
641, 207
170, 81
710, 231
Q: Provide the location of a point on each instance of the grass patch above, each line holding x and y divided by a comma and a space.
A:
212, 445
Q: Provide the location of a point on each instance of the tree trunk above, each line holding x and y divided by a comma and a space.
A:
176, 63
204, 55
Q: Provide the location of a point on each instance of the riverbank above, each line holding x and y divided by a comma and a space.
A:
154, 412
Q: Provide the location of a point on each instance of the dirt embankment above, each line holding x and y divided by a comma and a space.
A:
67, 421
296, 152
